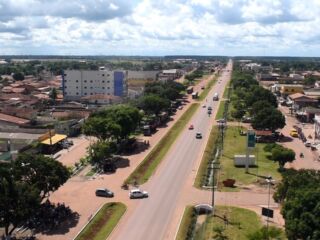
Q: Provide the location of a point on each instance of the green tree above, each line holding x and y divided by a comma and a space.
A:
153, 104
102, 128
258, 106
53, 94
41, 172
100, 151
282, 155
264, 233
18, 76
18, 200
309, 81
299, 193
268, 118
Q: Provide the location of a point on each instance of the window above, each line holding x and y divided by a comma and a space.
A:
65, 80
91, 81
102, 87
65, 74
91, 87
108, 87
77, 80
102, 81
85, 80
65, 86
77, 87
108, 81
91, 93
102, 75
77, 93
85, 93
85, 87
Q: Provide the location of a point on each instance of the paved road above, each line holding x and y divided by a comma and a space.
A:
151, 217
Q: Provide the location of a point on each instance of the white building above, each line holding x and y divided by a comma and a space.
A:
82, 83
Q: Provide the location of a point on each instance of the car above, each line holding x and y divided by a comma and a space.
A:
293, 133
137, 193
202, 87
209, 112
210, 108
222, 120
191, 127
103, 192
198, 135
180, 107
204, 106
307, 144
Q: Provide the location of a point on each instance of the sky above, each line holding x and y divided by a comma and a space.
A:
160, 27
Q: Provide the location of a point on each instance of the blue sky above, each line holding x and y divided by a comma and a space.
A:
154, 27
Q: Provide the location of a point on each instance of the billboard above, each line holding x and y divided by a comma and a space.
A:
251, 139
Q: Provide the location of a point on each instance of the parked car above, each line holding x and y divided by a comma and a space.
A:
180, 107
137, 193
204, 106
103, 192
210, 108
202, 87
246, 119
191, 127
209, 112
198, 135
293, 133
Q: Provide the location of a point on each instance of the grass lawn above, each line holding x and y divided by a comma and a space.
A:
91, 172
205, 92
146, 168
207, 155
185, 223
241, 223
103, 222
236, 144
225, 93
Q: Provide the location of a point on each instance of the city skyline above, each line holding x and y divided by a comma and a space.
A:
147, 27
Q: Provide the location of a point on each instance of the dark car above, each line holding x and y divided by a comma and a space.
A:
103, 192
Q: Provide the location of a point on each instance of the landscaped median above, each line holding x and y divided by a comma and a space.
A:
102, 224
227, 223
207, 89
202, 174
146, 168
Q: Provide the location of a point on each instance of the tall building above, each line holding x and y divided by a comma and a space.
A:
81, 83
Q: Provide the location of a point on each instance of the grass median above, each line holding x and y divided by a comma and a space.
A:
103, 222
146, 168
206, 91
207, 155
187, 223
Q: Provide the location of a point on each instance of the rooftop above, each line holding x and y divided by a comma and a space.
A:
12, 119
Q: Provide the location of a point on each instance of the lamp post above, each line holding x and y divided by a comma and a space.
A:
270, 181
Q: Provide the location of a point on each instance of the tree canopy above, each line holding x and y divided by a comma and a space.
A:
299, 193
153, 104
268, 118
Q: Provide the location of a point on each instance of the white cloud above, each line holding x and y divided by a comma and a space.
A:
152, 27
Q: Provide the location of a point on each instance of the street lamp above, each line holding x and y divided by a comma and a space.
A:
269, 181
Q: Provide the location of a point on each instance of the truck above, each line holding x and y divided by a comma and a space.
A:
194, 95
216, 97
190, 90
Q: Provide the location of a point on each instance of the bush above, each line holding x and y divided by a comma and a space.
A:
270, 146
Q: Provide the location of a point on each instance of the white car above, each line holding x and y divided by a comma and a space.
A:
137, 193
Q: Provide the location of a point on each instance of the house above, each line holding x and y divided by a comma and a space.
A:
317, 126
12, 120
313, 93
267, 77
169, 75
287, 89
300, 101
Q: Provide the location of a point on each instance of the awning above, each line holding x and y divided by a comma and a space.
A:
54, 139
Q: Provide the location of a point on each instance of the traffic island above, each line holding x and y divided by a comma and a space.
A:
226, 223
103, 222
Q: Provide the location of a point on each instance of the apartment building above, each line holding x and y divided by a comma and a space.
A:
82, 83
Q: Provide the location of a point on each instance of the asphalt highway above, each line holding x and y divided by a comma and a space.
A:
150, 218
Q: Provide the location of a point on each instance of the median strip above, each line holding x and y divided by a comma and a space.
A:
146, 168
102, 224
206, 91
